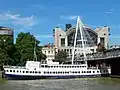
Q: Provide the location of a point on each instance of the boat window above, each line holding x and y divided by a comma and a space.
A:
42, 65
13, 70
39, 72
84, 71
35, 71
59, 66
68, 67
88, 71
72, 66
48, 52
78, 71
75, 71
26, 71
10, 70
77, 66
97, 71
7, 70
54, 66
17, 71
58, 72
46, 66
54, 72
20, 71
93, 71
23, 71
30, 71
51, 66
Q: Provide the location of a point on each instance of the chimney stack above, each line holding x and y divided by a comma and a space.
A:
68, 26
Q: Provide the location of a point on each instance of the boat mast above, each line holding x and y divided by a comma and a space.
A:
73, 53
35, 56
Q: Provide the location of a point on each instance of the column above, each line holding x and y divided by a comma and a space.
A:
66, 41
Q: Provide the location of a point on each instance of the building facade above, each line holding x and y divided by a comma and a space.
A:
103, 35
64, 40
6, 33
49, 51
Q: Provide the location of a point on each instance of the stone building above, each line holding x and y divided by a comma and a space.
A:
6, 32
64, 40
50, 51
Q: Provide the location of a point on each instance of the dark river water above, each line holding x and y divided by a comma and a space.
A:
62, 84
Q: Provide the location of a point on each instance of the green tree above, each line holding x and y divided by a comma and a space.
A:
6, 44
19, 53
25, 44
15, 56
100, 48
61, 57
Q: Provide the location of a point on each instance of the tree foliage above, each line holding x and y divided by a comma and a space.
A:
21, 51
100, 47
25, 44
61, 57
6, 45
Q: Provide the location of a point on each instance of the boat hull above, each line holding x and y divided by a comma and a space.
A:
28, 77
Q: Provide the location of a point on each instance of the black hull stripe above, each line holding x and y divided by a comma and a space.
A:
23, 77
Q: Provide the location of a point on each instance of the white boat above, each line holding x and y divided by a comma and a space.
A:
37, 70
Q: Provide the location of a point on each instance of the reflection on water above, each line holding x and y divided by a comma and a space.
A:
62, 84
